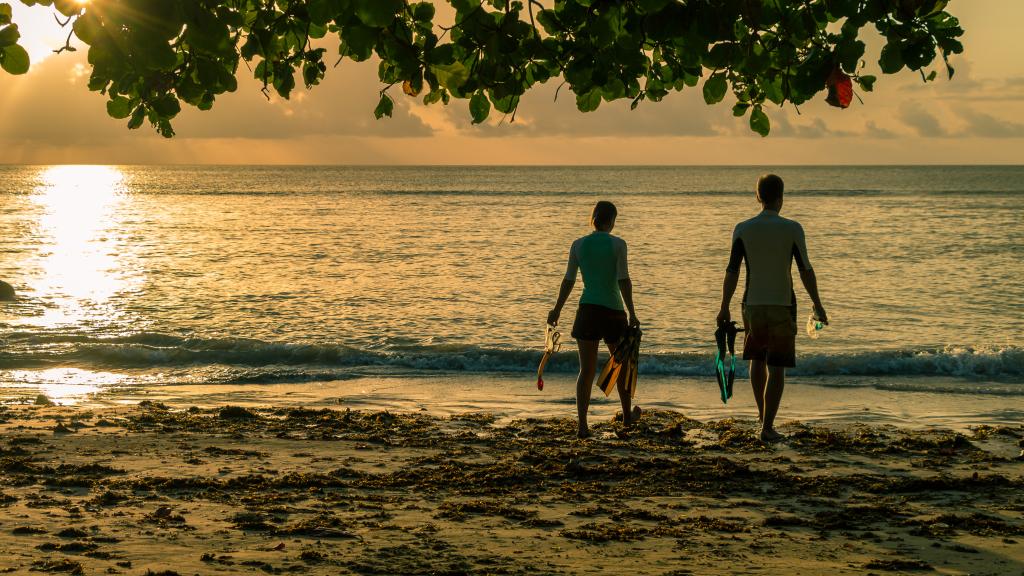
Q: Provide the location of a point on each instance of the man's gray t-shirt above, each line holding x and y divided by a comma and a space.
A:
769, 244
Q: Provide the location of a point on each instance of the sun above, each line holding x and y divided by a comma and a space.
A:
41, 33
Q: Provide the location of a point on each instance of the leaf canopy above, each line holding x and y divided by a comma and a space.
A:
150, 56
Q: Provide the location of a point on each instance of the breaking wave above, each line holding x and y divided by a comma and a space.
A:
297, 361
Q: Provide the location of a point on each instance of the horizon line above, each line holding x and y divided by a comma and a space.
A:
410, 165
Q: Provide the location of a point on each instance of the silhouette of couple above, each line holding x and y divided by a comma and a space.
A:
767, 243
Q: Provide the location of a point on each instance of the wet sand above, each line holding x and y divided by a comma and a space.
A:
152, 489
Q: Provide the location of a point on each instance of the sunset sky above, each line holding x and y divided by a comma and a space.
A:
51, 117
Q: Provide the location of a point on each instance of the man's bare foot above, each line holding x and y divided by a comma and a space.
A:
634, 416
583, 434
771, 436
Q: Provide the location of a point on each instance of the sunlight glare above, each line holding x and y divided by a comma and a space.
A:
66, 386
81, 264
41, 34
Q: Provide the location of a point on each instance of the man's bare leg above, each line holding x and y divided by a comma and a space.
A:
758, 380
772, 399
585, 381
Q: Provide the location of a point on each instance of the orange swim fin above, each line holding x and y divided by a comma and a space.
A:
552, 343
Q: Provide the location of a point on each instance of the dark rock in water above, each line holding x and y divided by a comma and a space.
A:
6, 291
42, 400
235, 413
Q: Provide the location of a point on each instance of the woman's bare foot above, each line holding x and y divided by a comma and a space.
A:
634, 416
771, 436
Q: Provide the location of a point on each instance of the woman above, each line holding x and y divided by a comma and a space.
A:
601, 258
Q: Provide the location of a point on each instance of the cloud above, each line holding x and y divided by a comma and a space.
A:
873, 130
540, 114
921, 120
51, 104
984, 125
785, 126
964, 86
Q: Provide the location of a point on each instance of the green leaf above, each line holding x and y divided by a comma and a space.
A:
740, 109
136, 119
167, 106
590, 101
9, 35
157, 55
284, 79
891, 59
759, 122
385, 107
5, 14
378, 13
14, 59
507, 104
432, 97
67, 7
715, 88
613, 90
479, 106
773, 90
119, 107
650, 6
359, 41
423, 12
451, 76
867, 83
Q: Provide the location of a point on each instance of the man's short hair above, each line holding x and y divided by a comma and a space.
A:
604, 213
769, 189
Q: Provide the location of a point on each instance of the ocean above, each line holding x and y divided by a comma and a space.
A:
428, 287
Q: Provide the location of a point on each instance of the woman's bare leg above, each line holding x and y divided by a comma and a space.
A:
588, 366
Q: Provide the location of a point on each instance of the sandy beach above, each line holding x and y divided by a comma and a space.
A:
157, 489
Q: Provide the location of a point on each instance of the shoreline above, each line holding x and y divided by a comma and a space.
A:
909, 402
231, 489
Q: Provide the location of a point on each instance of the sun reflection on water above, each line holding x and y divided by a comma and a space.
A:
64, 386
81, 263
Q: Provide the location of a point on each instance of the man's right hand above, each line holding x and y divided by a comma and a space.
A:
553, 316
819, 311
724, 316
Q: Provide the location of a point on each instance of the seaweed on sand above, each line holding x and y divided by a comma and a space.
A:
596, 533
975, 523
898, 565
62, 565
461, 510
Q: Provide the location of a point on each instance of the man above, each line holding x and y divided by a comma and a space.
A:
601, 258
769, 244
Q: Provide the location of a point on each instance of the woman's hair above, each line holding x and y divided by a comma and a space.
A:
604, 213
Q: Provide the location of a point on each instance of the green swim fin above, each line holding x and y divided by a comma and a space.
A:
725, 338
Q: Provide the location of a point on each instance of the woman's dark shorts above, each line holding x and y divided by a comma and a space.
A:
594, 322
